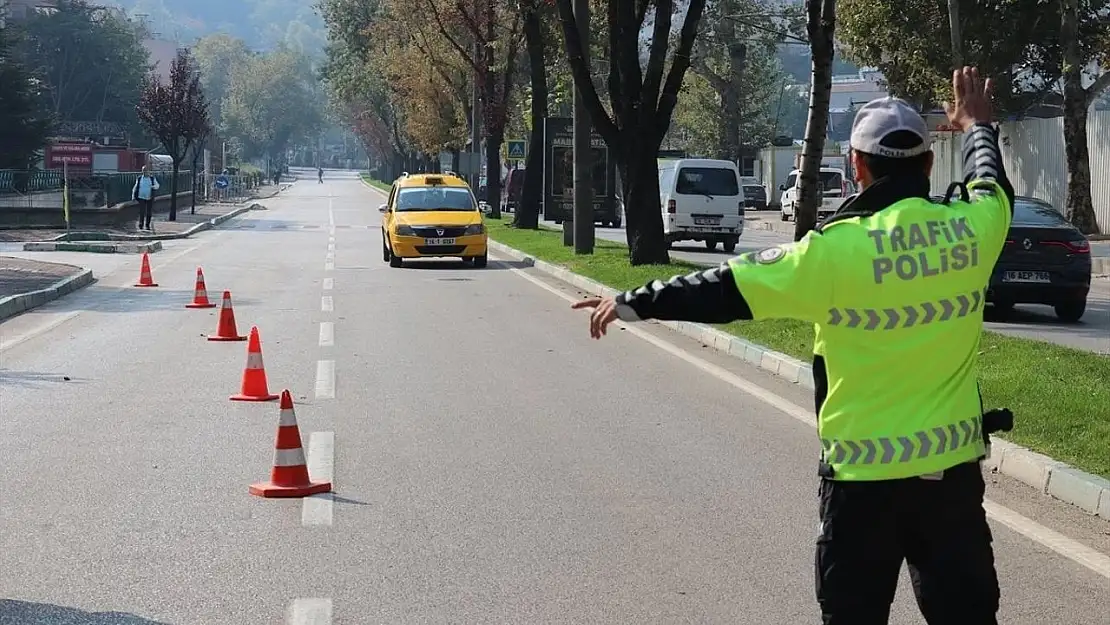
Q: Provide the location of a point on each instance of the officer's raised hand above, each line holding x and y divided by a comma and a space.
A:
971, 102
604, 313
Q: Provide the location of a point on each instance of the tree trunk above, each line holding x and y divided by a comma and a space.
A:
644, 217
494, 139
730, 100
1080, 209
528, 208
821, 22
173, 192
455, 160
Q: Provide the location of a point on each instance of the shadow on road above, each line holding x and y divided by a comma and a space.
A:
35, 379
459, 265
27, 613
133, 299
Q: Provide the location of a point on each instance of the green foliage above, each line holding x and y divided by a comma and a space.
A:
1014, 41
272, 103
23, 124
216, 55
176, 112
91, 62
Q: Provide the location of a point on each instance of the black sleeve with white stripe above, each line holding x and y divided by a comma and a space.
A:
708, 296
983, 161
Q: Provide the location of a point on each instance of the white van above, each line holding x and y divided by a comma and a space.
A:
701, 201
836, 187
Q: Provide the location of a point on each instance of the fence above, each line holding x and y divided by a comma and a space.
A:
1033, 151
228, 189
34, 189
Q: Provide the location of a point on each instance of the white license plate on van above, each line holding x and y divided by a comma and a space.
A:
439, 241
707, 221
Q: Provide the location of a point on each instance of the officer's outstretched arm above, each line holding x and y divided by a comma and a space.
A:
984, 173
787, 281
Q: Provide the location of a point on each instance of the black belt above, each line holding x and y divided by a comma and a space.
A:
997, 420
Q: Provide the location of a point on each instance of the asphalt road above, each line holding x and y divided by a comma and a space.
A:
1092, 333
492, 464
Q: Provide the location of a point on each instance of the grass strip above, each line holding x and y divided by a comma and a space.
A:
1060, 396
384, 186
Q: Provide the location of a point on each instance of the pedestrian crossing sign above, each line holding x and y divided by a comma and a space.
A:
516, 149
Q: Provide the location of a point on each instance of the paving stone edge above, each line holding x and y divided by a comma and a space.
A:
13, 305
1087, 492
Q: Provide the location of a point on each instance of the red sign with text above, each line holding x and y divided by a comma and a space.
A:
75, 154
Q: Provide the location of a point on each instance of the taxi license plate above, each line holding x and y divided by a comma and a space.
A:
439, 241
707, 221
1042, 277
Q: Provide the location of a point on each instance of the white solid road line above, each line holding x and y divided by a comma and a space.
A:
325, 379
329, 284
310, 612
1071, 549
327, 334
318, 509
327, 304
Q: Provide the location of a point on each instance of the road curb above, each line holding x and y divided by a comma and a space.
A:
1100, 266
101, 247
13, 305
1087, 492
200, 227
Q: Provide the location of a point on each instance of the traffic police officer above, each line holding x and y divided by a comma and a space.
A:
894, 284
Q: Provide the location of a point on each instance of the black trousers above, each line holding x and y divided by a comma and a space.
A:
939, 527
146, 212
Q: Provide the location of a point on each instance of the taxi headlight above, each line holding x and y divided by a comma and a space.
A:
404, 231
475, 229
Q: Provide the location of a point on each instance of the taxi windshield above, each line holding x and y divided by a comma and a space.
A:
434, 199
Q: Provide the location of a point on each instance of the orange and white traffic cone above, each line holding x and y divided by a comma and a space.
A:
145, 278
289, 476
227, 331
200, 294
254, 375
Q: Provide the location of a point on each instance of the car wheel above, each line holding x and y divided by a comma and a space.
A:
730, 245
1071, 311
480, 262
616, 224
785, 217
395, 260
558, 222
385, 251
711, 245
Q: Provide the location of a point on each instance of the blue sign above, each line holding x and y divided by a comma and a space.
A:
517, 149
222, 182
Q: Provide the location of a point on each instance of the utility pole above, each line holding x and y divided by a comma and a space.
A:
583, 222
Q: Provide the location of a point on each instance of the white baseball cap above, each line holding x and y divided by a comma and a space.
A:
882, 117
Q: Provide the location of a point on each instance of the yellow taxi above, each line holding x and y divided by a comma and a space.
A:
432, 216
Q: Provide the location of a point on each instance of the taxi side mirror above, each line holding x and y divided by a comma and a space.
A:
383, 208
782, 187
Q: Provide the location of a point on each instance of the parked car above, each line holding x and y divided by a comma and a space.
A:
832, 184
1046, 260
755, 196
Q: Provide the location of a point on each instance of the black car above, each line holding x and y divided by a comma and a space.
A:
1046, 260
755, 197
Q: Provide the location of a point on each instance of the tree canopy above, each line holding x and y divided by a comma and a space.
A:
90, 61
23, 124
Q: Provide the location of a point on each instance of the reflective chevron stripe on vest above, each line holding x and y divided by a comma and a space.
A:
903, 449
908, 316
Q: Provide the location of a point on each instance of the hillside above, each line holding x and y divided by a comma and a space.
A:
261, 23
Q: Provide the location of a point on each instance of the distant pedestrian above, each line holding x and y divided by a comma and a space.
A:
143, 193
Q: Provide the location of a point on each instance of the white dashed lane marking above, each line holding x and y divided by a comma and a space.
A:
326, 304
329, 284
325, 379
327, 334
313, 611
318, 508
